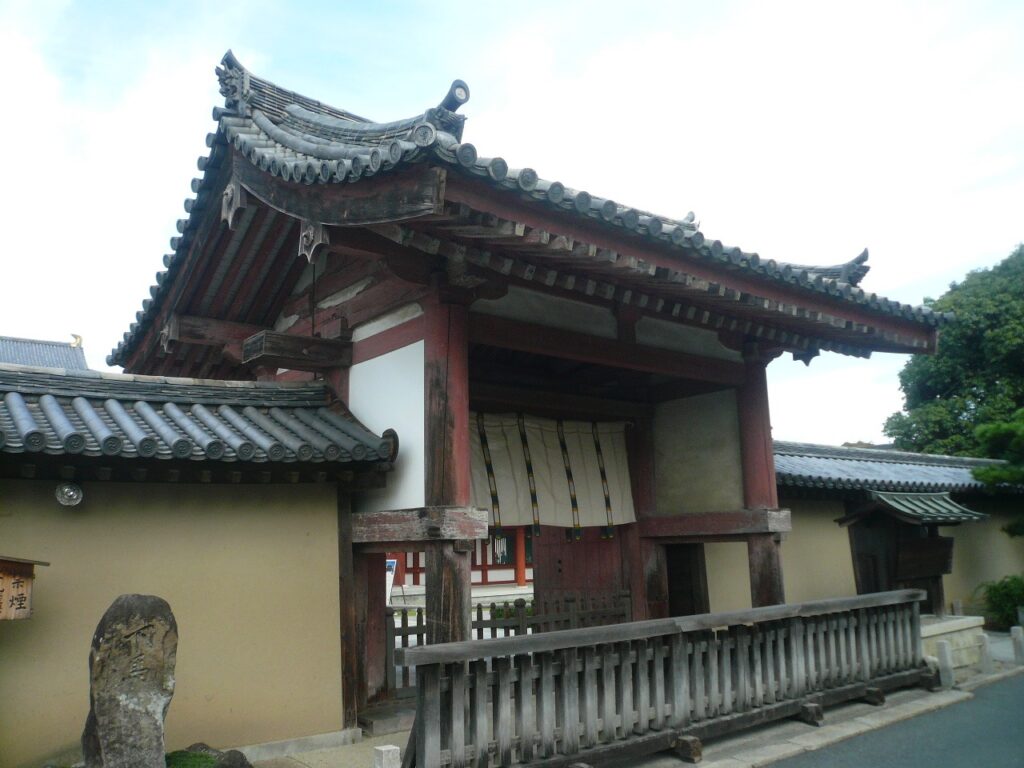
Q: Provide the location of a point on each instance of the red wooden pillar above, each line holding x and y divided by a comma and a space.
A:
759, 489
446, 434
521, 556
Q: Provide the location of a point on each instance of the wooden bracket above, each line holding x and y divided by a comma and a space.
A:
313, 238
232, 201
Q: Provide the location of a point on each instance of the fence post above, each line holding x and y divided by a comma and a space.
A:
521, 627
428, 716
389, 650
572, 609
945, 653
1017, 636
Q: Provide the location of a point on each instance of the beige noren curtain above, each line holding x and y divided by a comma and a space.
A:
502, 483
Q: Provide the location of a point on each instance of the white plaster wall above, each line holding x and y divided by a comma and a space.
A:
388, 392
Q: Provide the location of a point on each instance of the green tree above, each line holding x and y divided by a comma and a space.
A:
977, 375
1004, 440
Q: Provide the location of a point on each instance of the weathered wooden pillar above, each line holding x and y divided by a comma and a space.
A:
759, 489
643, 560
765, 570
370, 584
347, 598
446, 434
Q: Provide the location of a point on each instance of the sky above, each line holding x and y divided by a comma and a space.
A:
803, 131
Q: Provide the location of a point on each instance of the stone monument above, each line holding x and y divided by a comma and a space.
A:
131, 681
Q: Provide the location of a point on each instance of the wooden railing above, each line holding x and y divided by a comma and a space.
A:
405, 628
618, 691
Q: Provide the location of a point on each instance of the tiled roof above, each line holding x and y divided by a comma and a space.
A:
824, 466
301, 140
47, 354
927, 508
100, 414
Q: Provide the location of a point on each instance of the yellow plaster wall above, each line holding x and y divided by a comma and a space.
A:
697, 455
816, 558
728, 576
981, 552
250, 572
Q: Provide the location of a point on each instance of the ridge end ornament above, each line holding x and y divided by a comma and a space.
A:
314, 237
232, 201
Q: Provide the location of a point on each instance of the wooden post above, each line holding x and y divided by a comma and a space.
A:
446, 435
347, 597
643, 561
448, 596
370, 577
765, 566
759, 490
521, 556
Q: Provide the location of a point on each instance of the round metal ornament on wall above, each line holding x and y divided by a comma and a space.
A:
69, 494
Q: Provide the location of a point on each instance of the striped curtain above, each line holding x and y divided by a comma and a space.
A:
532, 471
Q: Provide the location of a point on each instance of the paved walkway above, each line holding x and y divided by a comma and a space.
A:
985, 731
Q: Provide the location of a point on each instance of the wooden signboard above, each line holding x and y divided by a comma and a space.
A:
924, 558
16, 577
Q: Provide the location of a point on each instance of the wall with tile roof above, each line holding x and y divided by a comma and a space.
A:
244, 569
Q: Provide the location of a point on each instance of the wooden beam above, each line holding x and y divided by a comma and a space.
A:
554, 342
419, 524
484, 396
733, 523
416, 190
190, 329
300, 353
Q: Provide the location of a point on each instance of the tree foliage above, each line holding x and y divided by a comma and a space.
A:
976, 377
1004, 440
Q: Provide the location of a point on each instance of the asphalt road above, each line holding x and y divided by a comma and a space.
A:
985, 732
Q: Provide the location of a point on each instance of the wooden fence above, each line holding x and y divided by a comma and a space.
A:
404, 627
617, 691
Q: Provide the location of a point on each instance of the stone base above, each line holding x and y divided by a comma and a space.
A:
271, 749
963, 633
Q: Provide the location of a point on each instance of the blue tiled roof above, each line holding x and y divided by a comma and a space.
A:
44, 354
825, 466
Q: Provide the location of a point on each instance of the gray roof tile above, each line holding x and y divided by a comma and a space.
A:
302, 140
45, 354
830, 467
92, 414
